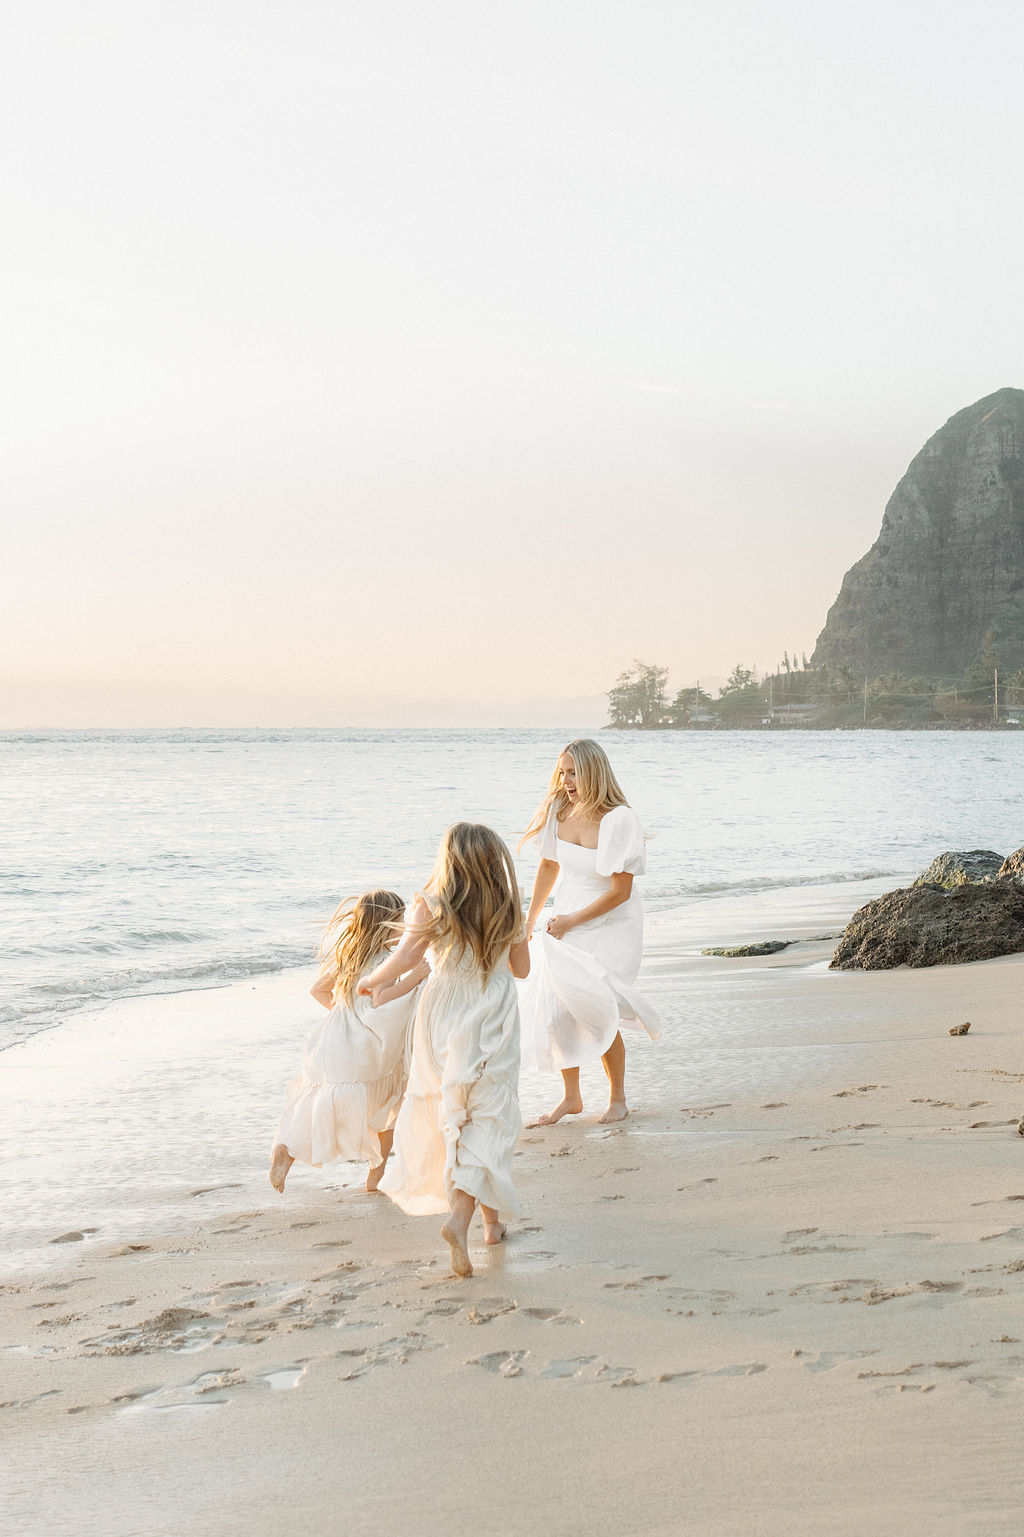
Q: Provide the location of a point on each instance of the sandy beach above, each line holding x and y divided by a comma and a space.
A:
794, 1310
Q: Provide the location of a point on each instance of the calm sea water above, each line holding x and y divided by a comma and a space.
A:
136, 862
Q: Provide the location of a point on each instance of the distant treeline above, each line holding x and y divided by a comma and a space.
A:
821, 697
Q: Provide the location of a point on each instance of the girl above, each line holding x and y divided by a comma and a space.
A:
459, 1123
344, 1103
585, 963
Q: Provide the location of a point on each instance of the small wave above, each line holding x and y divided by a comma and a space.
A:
49, 1003
664, 896
769, 882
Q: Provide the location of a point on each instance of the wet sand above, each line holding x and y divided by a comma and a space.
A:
800, 1311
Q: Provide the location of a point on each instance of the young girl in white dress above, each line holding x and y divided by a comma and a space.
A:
585, 961
459, 1122
344, 1102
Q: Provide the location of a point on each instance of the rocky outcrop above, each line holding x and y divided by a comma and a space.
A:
1013, 866
927, 926
766, 947
959, 865
948, 564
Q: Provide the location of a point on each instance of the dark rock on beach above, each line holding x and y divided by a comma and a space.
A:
929, 926
1012, 867
766, 947
957, 866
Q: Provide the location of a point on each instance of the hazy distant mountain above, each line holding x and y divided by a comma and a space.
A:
948, 564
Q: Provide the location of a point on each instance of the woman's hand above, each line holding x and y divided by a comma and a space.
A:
560, 925
369, 987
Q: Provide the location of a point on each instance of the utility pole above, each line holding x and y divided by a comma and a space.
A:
865, 701
995, 694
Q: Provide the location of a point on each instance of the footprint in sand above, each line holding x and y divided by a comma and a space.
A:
393, 1352
573, 1366
284, 1377
551, 1316
504, 1363
489, 1308
444, 1307
207, 1391
179, 1330
828, 1360
747, 1369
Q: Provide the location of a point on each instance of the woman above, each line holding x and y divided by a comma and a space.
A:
585, 961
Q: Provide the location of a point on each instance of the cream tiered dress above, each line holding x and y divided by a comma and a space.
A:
354, 1069
580, 989
459, 1122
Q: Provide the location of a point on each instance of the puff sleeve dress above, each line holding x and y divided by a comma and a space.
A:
580, 989
354, 1070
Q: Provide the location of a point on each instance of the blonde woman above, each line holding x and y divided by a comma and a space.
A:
586, 957
459, 1123
344, 1102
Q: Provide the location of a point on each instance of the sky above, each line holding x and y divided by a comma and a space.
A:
413, 363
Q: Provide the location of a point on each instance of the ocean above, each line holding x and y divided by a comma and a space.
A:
136, 862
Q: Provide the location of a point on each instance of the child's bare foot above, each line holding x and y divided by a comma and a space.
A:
280, 1162
617, 1111
494, 1232
375, 1176
570, 1105
455, 1237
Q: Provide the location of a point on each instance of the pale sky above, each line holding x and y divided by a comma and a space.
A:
358, 357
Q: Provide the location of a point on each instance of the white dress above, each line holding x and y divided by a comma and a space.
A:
459, 1122
354, 1069
580, 989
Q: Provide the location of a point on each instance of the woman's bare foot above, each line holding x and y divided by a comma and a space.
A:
569, 1106
617, 1111
462, 1265
494, 1232
375, 1176
280, 1162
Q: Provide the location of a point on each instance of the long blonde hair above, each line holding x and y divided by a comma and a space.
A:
596, 785
473, 897
359, 930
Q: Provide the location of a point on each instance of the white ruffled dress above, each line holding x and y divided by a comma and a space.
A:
580, 989
354, 1071
459, 1122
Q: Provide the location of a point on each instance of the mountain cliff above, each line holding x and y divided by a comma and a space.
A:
948, 564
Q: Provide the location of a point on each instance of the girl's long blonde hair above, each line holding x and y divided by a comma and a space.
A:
473, 897
359, 930
598, 789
